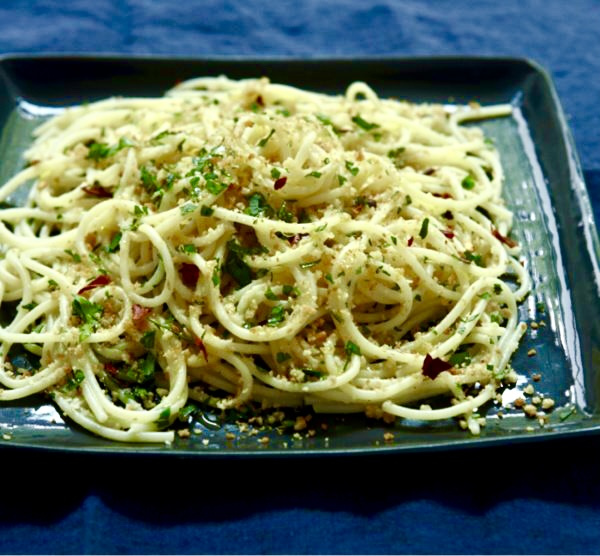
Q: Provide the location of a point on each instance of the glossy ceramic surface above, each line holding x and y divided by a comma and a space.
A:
544, 188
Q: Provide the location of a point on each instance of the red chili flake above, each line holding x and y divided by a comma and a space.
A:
102, 280
410, 241
429, 171
200, 344
448, 233
110, 368
139, 314
443, 195
260, 101
433, 366
504, 239
279, 183
296, 238
189, 274
448, 215
97, 190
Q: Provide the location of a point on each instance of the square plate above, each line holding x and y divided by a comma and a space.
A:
544, 188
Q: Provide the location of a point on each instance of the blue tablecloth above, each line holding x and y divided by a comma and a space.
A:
540, 498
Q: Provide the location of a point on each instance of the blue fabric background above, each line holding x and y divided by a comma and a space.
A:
540, 498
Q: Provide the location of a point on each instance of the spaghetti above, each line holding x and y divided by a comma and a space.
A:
242, 241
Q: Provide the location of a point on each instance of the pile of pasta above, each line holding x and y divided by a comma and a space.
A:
240, 242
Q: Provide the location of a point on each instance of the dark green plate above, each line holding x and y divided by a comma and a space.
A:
544, 188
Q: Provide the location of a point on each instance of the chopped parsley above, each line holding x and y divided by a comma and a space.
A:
290, 290
147, 339
234, 263
206, 211
76, 257
363, 124
163, 418
88, 313
282, 357
188, 248
98, 151
284, 214
351, 168
468, 182
474, 258
188, 208
73, 382
113, 246
424, 228
258, 206
460, 358
310, 264
352, 349
265, 140
277, 316
270, 294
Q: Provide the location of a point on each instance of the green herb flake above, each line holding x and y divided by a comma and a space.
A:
313, 373
314, 174
188, 208
235, 266
341, 179
290, 290
258, 206
351, 168
88, 313
113, 246
395, 153
275, 173
424, 228
265, 140
329, 278
98, 151
186, 412
188, 248
363, 124
310, 264
474, 258
30, 306
284, 214
206, 211
74, 382
270, 294
352, 349
147, 340
468, 182
277, 316
460, 358
566, 414
76, 257
282, 357
215, 187
164, 417
140, 210
148, 179
216, 280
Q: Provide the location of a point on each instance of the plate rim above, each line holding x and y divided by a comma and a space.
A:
576, 182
